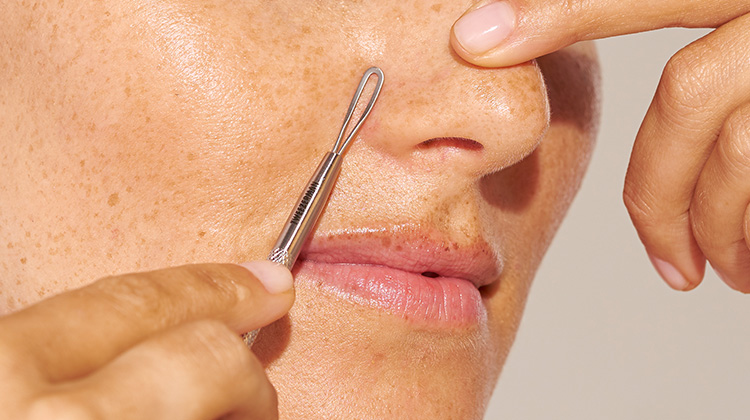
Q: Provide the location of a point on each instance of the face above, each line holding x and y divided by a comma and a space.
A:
141, 135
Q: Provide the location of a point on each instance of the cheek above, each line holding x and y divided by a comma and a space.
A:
137, 149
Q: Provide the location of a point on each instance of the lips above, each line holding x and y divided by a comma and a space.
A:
418, 275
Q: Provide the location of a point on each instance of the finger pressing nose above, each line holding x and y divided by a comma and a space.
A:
508, 32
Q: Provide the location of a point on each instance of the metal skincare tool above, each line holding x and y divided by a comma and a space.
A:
310, 204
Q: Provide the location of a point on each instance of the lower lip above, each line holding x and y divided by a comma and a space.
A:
440, 301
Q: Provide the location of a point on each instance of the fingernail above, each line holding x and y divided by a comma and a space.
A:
275, 277
485, 28
670, 274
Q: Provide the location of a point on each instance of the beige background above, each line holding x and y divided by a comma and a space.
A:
603, 337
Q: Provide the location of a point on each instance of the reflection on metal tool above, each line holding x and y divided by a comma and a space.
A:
314, 197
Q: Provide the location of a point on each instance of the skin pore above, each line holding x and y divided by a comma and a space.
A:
141, 136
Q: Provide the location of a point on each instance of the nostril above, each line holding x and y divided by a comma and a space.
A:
456, 142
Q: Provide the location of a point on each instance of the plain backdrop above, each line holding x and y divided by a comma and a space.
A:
603, 337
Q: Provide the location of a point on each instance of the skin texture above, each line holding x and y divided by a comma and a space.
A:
142, 136
686, 188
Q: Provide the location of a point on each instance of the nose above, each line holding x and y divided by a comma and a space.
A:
459, 119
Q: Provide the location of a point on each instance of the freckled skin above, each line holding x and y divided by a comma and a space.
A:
138, 136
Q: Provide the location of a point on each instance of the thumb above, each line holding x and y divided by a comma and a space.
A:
507, 32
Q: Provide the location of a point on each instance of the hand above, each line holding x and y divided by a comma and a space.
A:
163, 344
688, 183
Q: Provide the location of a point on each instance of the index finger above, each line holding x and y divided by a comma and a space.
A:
507, 32
74, 333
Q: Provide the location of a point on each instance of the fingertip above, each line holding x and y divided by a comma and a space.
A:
494, 34
483, 35
274, 277
744, 288
725, 279
484, 28
265, 295
673, 276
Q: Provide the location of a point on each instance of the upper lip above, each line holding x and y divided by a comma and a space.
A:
410, 249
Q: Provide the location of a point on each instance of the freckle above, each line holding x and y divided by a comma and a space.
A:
436, 7
129, 189
113, 199
127, 91
31, 148
23, 260
191, 156
378, 357
82, 163
10, 245
201, 234
386, 241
